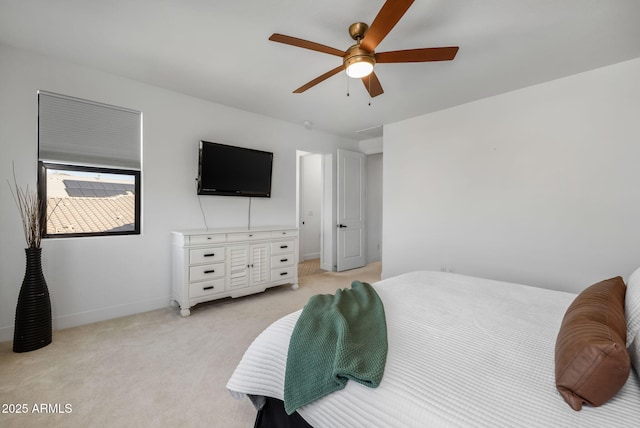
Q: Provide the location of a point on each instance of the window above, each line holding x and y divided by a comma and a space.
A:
85, 201
89, 169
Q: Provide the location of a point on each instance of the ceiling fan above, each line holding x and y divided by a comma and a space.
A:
359, 59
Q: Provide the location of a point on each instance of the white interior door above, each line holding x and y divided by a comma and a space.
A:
351, 212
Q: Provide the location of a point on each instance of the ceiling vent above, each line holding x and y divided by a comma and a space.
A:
373, 132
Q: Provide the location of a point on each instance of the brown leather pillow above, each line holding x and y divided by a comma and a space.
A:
592, 362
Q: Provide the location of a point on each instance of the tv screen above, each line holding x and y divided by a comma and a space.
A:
233, 171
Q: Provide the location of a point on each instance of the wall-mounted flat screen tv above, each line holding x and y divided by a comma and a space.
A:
233, 171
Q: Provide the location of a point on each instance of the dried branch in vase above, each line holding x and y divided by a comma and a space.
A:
29, 206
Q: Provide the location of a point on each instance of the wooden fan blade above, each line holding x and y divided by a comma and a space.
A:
319, 79
386, 19
372, 84
418, 55
294, 41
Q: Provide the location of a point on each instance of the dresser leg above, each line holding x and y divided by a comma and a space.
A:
185, 312
295, 286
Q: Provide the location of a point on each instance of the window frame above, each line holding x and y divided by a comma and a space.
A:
42, 193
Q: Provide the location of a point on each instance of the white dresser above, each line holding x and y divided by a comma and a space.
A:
215, 263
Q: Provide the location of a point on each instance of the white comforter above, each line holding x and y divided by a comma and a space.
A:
463, 352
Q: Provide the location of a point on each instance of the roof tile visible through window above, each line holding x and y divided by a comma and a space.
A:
91, 207
91, 214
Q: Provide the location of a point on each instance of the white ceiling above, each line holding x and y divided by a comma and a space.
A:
219, 49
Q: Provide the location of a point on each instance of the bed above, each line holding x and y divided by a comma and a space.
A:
462, 351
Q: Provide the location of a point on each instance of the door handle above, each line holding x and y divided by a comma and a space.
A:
341, 226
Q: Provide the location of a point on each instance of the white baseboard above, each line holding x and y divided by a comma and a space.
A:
102, 314
6, 333
374, 259
311, 256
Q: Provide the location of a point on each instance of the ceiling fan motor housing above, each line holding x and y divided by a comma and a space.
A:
356, 54
357, 30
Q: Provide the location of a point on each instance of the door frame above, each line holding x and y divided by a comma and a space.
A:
325, 259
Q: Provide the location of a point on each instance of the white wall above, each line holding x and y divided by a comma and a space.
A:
538, 186
91, 279
371, 146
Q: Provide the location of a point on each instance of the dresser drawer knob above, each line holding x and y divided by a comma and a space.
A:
210, 271
284, 273
284, 260
284, 246
208, 288
210, 254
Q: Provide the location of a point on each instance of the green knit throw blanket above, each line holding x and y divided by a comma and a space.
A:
337, 338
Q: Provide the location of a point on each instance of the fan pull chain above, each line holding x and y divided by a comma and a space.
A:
347, 84
369, 90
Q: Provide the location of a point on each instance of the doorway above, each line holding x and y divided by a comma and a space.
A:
310, 206
321, 224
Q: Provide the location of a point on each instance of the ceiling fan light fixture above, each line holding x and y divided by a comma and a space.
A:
358, 62
359, 67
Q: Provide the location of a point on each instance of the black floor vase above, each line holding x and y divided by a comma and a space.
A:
33, 311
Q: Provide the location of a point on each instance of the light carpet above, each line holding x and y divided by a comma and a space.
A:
154, 369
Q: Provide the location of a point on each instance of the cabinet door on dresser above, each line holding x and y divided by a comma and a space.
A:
259, 264
248, 265
238, 263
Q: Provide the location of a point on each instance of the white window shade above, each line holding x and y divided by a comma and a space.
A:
71, 130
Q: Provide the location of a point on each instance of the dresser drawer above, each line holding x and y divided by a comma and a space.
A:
282, 260
247, 236
206, 255
283, 273
204, 272
284, 233
282, 247
207, 239
205, 288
